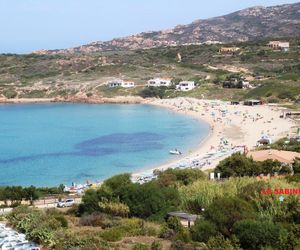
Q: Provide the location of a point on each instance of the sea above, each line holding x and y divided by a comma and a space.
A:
47, 145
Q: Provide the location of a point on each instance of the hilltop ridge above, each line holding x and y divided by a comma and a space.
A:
245, 25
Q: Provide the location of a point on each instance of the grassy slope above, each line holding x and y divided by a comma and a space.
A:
60, 75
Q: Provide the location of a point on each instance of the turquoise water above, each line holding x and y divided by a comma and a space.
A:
50, 144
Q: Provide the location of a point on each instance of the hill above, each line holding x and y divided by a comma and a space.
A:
274, 74
245, 25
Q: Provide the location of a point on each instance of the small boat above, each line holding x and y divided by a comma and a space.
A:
175, 152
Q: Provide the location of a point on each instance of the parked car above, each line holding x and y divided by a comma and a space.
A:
66, 203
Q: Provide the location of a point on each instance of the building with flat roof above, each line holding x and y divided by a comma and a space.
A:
159, 82
185, 86
228, 50
279, 45
120, 83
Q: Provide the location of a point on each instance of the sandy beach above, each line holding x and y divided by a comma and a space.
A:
236, 125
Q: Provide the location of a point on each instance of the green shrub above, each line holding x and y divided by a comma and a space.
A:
220, 243
140, 246
254, 234
184, 235
224, 212
150, 92
156, 245
62, 220
176, 176
293, 178
166, 233
113, 234
10, 93
177, 245
114, 208
203, 230
174, 224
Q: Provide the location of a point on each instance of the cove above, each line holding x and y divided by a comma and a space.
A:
52, 144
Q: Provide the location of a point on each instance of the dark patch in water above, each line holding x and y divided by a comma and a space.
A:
120, 138
104, 145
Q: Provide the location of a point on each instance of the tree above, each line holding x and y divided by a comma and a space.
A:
143, 201
31, 194
118, 181
150, 200
14, 194
203, 230
90, 202
270, 166
224, 212
171, 177
238, 165
254, 234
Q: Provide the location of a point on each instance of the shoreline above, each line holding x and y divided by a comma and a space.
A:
232, 123
100, 100
225, 121
198, 149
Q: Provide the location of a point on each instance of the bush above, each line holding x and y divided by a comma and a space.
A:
174, 224
38, 225
220, 243
114, 208
254, 234
201, 194
156, 245
225, 212
203, 230
149, 92
293, 178
177, 245
150, 200
286, 95
184, 235
10, 93
140, 246
179, 176
95, 219
166, 233
113, 234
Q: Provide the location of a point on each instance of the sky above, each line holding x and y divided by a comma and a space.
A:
28, 25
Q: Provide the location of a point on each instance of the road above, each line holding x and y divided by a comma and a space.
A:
41, 204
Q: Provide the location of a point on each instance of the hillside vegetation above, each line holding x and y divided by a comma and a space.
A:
274, 74
233, 214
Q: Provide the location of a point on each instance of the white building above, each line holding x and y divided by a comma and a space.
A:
159, 82
278, 45
120, 83
186, 86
